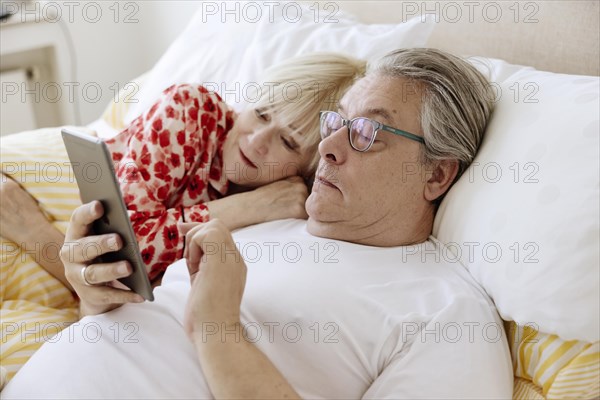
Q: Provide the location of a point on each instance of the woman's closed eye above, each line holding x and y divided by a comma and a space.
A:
289, 143
262, 114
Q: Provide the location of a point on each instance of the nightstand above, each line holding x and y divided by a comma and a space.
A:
36, 72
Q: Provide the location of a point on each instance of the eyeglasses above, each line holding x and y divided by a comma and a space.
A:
361, 131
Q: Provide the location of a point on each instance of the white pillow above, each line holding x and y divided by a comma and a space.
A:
533, 195
226, 56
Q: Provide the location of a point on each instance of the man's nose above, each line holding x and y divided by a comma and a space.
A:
335, 147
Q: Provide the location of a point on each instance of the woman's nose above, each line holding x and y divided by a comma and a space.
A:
259, 141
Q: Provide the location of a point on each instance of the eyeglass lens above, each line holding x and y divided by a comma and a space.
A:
361, 129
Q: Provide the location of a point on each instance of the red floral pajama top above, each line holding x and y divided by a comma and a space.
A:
169, 163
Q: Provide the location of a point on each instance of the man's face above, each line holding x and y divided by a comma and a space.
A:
375, 197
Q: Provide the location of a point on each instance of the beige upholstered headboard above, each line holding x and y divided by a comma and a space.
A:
552, 35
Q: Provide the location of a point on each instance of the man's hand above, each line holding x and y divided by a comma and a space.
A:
217, 273
20, 214
23, 222
101, 292
233, 368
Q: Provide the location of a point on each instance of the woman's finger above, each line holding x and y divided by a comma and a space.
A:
82, 219
109, 295
86, 249
117, 285
99, 274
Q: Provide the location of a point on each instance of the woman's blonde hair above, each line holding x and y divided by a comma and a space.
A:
301, 87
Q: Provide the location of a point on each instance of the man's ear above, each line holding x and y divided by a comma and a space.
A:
441, 178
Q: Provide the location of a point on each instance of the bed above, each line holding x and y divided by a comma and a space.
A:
524, 219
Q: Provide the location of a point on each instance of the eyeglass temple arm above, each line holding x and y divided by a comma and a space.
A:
403, 133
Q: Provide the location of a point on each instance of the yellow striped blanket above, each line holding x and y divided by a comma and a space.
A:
34, 304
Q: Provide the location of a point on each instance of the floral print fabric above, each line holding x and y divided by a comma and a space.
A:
169, 164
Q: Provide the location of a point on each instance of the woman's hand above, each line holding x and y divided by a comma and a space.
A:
277, 200
282, 199
218, 277
95, 284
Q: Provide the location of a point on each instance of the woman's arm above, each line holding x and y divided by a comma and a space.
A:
232, 366
159, 239
22, 222
277, 200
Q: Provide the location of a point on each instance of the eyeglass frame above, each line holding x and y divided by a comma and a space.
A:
377, 126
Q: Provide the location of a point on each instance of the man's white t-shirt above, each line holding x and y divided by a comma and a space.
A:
339, 320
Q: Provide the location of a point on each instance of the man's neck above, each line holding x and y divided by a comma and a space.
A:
380, 234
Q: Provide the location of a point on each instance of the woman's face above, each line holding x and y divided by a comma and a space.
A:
260, 149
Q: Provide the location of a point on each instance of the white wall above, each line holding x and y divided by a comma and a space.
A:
115, 42
111, 42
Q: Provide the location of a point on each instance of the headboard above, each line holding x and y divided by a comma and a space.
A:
558, 36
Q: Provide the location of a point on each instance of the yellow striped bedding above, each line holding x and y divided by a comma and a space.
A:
559, 369
34, 305
526, 390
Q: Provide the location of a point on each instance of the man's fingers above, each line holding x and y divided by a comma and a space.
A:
88, 248
193, 257
185, 227
81, 220
205, 238
97, 274
188, 229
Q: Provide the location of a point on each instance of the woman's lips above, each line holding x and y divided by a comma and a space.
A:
247, 160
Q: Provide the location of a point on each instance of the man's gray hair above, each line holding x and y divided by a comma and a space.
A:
456, 103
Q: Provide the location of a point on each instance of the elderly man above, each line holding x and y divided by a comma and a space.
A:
356, 302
